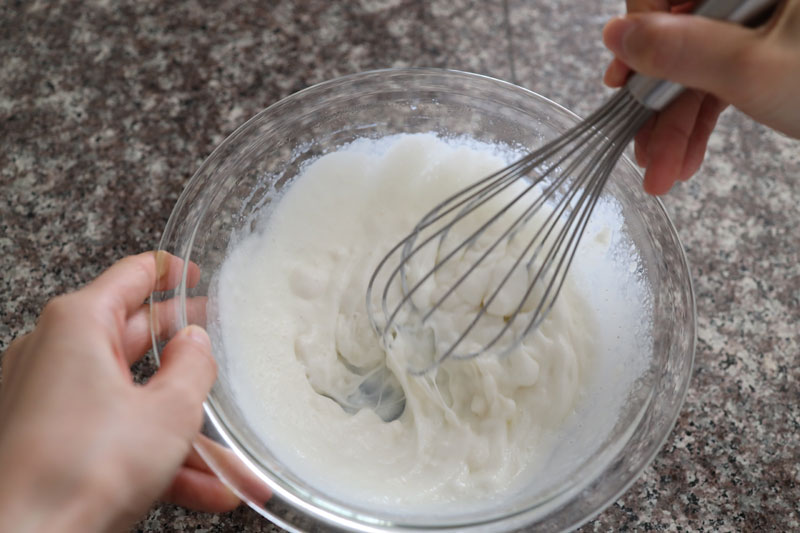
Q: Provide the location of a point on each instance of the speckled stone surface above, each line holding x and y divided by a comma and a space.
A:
107, 108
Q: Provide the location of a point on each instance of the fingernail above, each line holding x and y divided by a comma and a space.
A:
607, 76
198, 334
162, 264
616, 33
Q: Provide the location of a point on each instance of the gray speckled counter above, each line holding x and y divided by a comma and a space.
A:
106, 110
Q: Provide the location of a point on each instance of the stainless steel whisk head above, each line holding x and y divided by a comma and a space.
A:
559, 185
538, 208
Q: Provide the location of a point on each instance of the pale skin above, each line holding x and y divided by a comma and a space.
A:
82, 448
755, 70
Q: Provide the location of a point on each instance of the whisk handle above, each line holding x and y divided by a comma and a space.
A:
656, 93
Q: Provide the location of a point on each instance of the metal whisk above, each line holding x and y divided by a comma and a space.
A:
540, 206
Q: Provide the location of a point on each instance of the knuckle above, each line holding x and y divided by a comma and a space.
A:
141, 265
185, 396
72, 307
15, 345
58, 308
663, 49
195, 417
748, 60
13, 352
750, 67
187, 405
210, 362
200, 354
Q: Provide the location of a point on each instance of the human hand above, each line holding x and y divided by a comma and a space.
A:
82, 448
756, 70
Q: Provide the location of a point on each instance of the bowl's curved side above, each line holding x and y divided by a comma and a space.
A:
228, 179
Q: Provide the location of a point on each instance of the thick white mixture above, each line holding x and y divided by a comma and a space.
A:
290, 302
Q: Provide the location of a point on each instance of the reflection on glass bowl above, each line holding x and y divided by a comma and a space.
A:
242, 176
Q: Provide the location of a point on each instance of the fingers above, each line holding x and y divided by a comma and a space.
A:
698, 141
170, 269
641, 140
643, 6
200, 491
672, 145
236, 472
137, 339
195, 462
616, 73
666, 154
668, 142
786, 22
128, 282
182, 382
696, 52
12, 353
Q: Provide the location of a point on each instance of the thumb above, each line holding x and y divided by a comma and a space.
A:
697, 52
187, 372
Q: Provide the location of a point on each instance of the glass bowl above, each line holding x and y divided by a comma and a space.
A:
262, 157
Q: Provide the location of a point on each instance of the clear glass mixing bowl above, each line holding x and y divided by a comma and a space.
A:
263, 156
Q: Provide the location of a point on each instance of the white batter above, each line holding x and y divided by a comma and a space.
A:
290, 301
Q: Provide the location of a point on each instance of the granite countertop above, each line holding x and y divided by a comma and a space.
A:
107, 108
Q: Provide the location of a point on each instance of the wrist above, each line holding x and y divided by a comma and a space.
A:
21, 515
34, 504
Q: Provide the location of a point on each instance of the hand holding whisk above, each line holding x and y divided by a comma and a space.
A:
534, 211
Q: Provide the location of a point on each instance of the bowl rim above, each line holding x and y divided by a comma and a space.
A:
213, 423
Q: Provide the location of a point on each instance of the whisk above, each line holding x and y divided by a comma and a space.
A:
542, 202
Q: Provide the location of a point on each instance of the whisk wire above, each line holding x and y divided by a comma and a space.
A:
569, 174
512, 172
640, 115
555, 215
501, 180
517, 223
